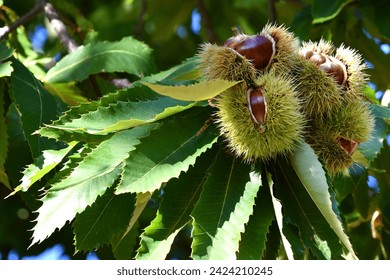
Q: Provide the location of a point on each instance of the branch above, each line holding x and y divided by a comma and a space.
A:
6, 30
211, 37
141, 19
272, 11
59, 27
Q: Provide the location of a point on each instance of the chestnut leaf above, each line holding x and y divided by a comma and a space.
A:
96, 172
175, 209
223, 209
195, 92
127, 55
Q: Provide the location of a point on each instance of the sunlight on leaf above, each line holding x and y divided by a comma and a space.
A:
324, 10
279, 220
254, 240
6, 69
312, 176
223, 209
101, 222
120, 114
43, 165
180, 196
128, 55
35, 105
196, 92
226, 241
93, 175
142, 200
151, 165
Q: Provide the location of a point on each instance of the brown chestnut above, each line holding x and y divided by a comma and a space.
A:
337, 69
348, 145
257, 48
257, 105
329, 65
318, 59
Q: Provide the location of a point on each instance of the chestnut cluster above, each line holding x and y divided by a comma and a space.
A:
293, 91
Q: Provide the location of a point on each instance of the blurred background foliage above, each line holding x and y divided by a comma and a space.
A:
174, 29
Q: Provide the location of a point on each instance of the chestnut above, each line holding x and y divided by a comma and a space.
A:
257, 48
257, 105
329, 65
348, 145
337, 69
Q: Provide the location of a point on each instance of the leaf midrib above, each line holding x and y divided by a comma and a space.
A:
162, 161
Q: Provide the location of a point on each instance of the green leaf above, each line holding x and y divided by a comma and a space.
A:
371, 148
272, 250
142, 200
88, 180
371, 52
43, 165
124, 114
5, 52
100, 223
179, 198
369, 92
69, 93
380, 168
303, 223
35, 105
179, 144
380, 111
188, 70
3, 137
73, 160
223, 209
381, 172
128, 55
360, 192
294, 247
157, 14
123, 245
196, 92
6, 69
324, 10
253, 240
18, 147
310, 173
125, 239
376, 13
355, 184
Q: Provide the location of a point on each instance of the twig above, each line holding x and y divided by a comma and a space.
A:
272, 11
6, 30
70, 44
211, 37
60, 28
141, 20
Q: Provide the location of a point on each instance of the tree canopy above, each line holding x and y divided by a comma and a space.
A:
114, 137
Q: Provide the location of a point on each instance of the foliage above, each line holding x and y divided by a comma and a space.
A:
140, 171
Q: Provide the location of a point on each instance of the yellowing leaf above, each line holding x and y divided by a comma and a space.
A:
195, 92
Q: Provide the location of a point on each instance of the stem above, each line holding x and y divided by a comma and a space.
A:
141, 19
212, 38
59, 27
6, 30
272, 11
